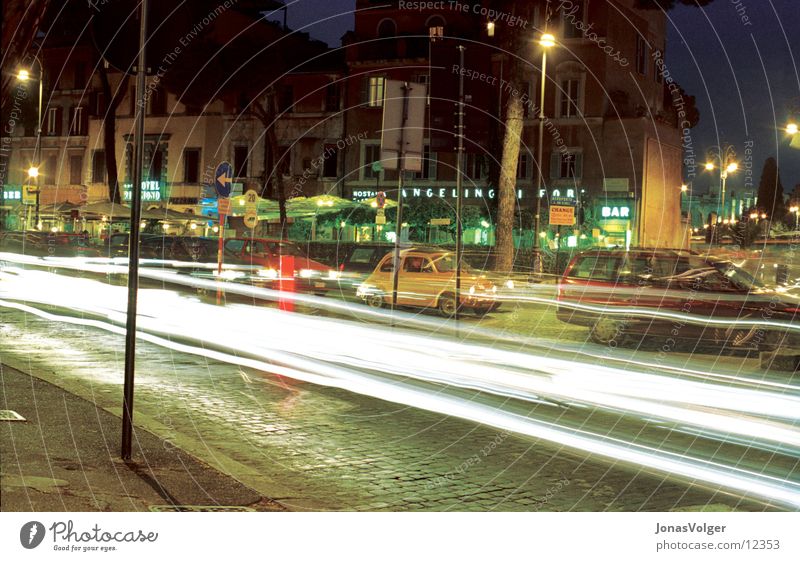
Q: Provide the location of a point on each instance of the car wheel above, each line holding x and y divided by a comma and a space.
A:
607, 331
374, 300
447, 305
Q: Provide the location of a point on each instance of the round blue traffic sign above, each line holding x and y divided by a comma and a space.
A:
223, 178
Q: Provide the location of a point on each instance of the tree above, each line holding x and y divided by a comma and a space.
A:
514, 42
770, 191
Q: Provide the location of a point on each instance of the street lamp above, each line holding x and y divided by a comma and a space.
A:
33, 172
724, 158
546, 41
791, 129
796, 211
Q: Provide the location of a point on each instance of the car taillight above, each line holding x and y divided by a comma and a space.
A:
792, 310
341, 267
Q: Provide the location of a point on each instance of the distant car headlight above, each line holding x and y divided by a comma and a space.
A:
494, 289
510, 284
268, 273
229, 275
472, 289
306, 273
334, 275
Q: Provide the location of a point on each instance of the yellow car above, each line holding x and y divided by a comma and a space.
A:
427, 279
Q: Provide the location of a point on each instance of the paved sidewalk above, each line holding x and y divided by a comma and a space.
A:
65, 457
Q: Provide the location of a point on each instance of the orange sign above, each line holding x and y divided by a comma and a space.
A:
562, 215
224, 206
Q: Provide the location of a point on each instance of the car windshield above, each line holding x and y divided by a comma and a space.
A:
737, 276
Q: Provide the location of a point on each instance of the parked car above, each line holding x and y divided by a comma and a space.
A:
116, 245
48, 244
309, 275
359, 261
427, 279
682, 284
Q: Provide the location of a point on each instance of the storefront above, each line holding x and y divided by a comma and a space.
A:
615, 222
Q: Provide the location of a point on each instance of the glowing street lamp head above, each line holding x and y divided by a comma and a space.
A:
792, 128
709, 166
732, 167
33, 171
490, 28
547, 40
684, 188
24, 75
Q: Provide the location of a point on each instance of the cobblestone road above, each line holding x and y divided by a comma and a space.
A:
312, 447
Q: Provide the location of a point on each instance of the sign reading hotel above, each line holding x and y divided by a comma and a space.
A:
151, 191
562, 211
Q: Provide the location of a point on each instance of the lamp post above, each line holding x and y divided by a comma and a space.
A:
796, 211
33, 172
546, 41
792, 128
724, 158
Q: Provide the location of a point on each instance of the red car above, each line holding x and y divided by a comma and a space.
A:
663, 292
309, 275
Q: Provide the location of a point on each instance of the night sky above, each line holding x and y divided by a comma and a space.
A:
746, 78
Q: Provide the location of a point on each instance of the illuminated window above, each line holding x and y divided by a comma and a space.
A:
375, 91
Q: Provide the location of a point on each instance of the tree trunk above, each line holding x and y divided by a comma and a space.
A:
507, 197
110, 130
274, 158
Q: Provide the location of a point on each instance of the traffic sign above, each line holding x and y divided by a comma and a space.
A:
29, 194
223, 177
251, 209
380, 216
223, 206
380, 199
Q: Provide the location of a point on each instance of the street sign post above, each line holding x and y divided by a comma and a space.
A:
380, 199
562, 211
223, 177
251, 209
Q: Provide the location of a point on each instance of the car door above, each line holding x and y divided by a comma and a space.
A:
415, 286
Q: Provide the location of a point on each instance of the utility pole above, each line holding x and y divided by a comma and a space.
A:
459, 171
133, 242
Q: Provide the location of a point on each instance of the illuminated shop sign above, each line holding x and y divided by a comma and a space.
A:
151, 191
569, 193
12, 194
612, 212
441, 193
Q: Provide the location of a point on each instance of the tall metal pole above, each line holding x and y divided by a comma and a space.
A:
38, 150
400, 171
133, 242
537, 257
459, 164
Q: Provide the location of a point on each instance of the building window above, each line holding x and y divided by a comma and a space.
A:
53, 127
371, 153
158, 101
375, 91
524, 166
572, 20
476, 166
191, 165
285, 99
156, 165
566, 165
332, 97
75, 165
77, 122
387, 29
641, 56
429, 162
330, 161
241, 160
80, 76
99, 166
49, 171
570, 102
